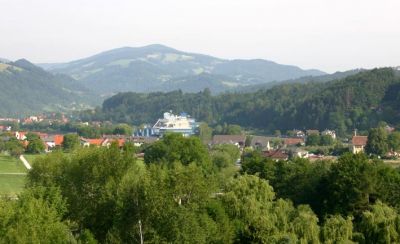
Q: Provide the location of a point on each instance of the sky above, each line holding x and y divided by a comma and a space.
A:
330, 35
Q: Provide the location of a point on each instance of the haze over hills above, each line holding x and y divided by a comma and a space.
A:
161, 68
27, 88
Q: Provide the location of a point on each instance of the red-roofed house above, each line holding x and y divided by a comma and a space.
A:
53, 141
293, 141
58, 140
358, 144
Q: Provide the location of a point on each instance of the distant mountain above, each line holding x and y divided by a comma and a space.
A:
27, 88
3, 60
157, 67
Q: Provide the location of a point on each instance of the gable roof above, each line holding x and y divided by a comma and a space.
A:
359, 140
96, 142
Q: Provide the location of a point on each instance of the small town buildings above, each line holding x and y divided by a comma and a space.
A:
92, 142
276, 154
358, 144
261, 142
182, 124
331, 133
52, 141
238, 140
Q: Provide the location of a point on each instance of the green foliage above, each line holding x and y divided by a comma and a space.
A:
88, 179
35, 146
352, 102
394, 141
380, 224
123, 129
326, 140
313, 140
377, 142
176, 148
337, 229
70, 142
35, 218
14, 147
205, 133
104, 195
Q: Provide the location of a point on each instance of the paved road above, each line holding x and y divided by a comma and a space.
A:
27, 165
12, 173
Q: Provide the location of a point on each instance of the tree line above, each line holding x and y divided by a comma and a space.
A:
183, 192
358, 101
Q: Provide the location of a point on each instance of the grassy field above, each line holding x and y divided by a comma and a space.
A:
31, 158
12, 175
10, 164
11, 184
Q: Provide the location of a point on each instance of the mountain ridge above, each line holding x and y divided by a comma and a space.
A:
149, 68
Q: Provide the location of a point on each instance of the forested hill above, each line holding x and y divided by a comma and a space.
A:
357, 101
26, 88
159, 68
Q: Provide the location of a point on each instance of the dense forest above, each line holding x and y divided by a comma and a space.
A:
357, 101
184, 192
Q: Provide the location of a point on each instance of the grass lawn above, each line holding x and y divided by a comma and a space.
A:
31, 158
11, 184
12, 175
10, 164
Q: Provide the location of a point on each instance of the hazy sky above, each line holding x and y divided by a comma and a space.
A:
326, 34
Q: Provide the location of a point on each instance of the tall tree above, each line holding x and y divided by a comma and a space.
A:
377, 142
70, 142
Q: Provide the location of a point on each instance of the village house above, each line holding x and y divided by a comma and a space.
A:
294, 141
358, 144
53, 141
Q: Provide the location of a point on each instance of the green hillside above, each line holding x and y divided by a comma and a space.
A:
357, 101
27, 88
160, 68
